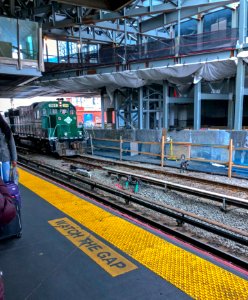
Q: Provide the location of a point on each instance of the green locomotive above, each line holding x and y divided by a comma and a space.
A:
48, 126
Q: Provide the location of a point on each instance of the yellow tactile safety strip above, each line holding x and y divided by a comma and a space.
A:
195, 276
111, 261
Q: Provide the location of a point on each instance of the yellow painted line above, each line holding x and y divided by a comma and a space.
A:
107, 258
195, 276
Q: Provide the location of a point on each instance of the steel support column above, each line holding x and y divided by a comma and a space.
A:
200, 25
172, 115
102, 108
179, 18
239, 97
197, 106
242, 22
234, 18
165, 105
240, 77
147, 109
140, 108
230, 114
159, 113
116, 110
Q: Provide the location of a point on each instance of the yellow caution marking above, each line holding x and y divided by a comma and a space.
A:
194, 275
107, 258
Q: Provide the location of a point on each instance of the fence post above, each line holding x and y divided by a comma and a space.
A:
91, 145
230, 158
121, 142
162, 151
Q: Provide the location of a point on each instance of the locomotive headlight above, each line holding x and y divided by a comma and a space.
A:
59, 118
65, 133
80, 132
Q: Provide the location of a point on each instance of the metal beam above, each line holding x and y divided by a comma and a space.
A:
240, 76
73, 23
215, 96
102, 108
186, 12
240, 82
181, 100
153, 9
130, 13
60, 34
165, 105
197, 106
230, 114
140, 108
242, 22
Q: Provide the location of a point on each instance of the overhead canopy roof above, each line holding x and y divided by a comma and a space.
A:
63, 18
180, 75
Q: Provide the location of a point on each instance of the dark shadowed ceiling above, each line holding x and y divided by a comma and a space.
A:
99, 4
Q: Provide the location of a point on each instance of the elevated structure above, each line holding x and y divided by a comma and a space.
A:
157, 64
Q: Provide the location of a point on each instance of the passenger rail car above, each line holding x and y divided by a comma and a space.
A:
48, 126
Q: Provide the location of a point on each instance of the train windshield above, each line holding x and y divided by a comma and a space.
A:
63, 111
53, 111
72, 111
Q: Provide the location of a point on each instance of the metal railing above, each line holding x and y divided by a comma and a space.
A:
207, 42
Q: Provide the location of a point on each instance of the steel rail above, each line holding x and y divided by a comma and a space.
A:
156, 169
235, 201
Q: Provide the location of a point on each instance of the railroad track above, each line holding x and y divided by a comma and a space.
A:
142, 209
225, 199
92, 162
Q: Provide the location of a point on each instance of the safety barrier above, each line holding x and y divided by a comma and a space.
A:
206, 42
168, 151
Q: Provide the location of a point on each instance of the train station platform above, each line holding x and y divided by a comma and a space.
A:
75, 248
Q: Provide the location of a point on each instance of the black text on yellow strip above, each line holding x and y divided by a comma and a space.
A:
107, 258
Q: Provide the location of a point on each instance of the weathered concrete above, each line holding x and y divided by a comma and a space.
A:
202, 142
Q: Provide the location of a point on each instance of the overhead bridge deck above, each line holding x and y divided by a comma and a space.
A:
74, 248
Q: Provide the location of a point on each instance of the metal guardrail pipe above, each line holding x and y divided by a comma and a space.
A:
239, 202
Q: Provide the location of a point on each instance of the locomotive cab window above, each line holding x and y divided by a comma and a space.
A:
44, 112
63, 111
72, 111
37, 114
53, 111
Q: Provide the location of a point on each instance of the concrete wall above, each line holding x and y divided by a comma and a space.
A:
206, 138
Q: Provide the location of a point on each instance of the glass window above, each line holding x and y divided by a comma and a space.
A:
73, 47
52, 53
187, 28
218, 20
63, 51
53, 111
44, 112
73, 52
28, 39
8, 38
63, 111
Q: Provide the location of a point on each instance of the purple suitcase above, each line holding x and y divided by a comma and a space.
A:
14, 228
14, 191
